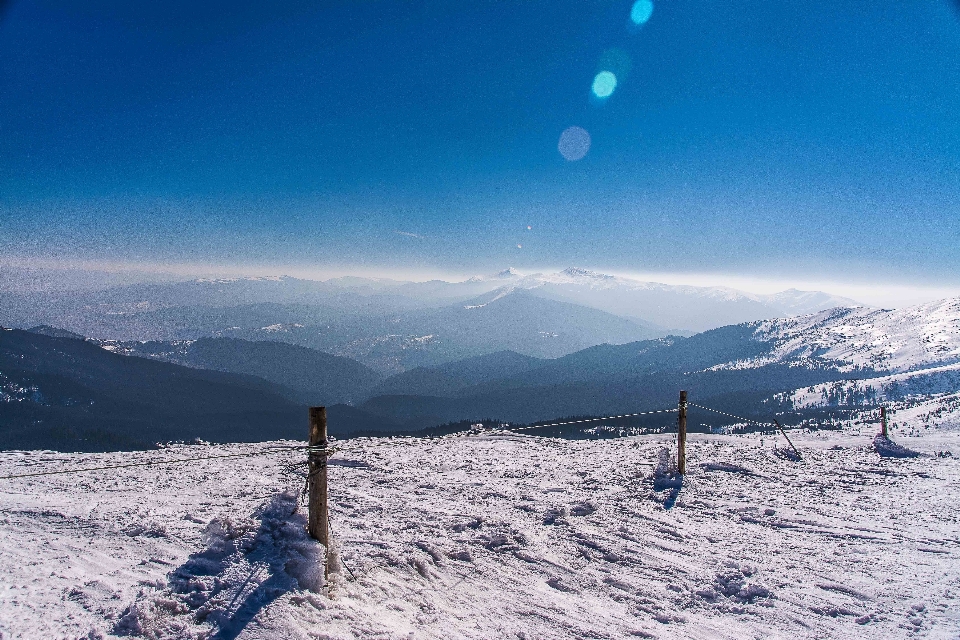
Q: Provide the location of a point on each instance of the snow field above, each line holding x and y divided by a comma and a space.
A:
494, 536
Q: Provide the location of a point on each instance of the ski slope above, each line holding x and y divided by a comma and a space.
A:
496, 536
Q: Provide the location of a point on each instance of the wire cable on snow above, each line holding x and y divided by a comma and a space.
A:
729, 415
762, 424
326, 451
149, 463
558, 424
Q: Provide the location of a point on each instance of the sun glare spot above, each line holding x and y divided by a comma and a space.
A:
641, 11
604, 84
574, 143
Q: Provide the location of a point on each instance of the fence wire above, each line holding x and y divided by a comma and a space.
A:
762, 424
149, 463
585, 420
729, 415
325, 451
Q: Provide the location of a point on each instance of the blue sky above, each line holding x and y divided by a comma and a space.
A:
790, 140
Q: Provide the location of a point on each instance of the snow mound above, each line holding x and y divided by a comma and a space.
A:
665, 474
889, 449
733, 583
247, 564
725, 466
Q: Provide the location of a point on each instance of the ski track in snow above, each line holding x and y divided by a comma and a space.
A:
492, 536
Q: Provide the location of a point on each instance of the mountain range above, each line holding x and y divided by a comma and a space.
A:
58, 390
69, 394
124, 366
756, 369
393, 326
305, 376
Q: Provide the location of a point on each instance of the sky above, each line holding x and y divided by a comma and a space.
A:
753, 141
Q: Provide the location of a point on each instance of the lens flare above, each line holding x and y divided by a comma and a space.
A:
604, 84
574, 143
641, 11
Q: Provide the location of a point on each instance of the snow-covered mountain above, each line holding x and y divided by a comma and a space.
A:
891, 340
678, 307
885, 354
836, 357
832, 358
933, 381
795, 302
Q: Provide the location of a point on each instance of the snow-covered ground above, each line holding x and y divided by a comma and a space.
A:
496, 536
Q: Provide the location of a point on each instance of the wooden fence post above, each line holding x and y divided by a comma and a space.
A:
319, 521
789, 441
682, 434
883, 422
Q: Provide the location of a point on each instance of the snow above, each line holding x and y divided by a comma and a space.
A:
502, 293
790, 300
242, 279
800, 302
498, 535
273, 328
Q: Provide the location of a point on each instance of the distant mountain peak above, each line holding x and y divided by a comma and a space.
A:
244, 279
577, 272
798, 302
507, 274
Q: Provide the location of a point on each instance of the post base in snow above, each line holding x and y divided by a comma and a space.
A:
786, 454
886, 448
667, 480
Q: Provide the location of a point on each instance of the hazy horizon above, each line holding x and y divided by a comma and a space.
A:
51, 274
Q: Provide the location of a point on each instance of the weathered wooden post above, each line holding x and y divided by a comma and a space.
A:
883, 422
319, 521
787, 438
682, 434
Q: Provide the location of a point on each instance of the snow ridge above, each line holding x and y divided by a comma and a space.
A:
881, 339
